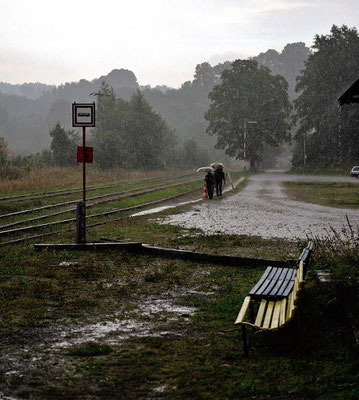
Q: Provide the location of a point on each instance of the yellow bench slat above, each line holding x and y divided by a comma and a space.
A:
276, 315
282, 312
268, 316
243, 311
260, 313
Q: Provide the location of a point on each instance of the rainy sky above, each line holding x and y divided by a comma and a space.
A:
161, 41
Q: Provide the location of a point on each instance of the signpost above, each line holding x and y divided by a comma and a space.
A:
83, 115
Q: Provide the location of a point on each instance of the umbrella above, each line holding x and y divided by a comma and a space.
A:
217, 165
205, 169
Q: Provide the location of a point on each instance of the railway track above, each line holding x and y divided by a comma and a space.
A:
11, 233
90, 188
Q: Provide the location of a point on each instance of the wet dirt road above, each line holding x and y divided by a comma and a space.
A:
264, 209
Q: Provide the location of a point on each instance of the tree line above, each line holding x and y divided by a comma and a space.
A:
159, 128
26, 122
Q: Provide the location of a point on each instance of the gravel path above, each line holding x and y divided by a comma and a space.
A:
263, 209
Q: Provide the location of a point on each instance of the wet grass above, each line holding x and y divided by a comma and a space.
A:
198, 356
331, 194
45, 295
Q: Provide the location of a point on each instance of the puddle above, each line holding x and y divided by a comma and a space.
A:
110, 332
135, 323
150, 316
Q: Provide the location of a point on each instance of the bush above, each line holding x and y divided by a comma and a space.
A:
12, 172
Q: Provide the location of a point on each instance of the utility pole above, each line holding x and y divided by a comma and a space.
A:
305, 149
245, 123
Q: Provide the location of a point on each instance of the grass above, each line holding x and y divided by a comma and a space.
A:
91, 349
332, 194
164, 329
57, 178
198, 357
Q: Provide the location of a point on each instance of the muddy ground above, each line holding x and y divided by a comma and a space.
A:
39, 355
264, 209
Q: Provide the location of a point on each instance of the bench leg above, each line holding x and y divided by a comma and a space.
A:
244, 338
251, 309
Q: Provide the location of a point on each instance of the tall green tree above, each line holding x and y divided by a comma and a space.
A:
288, 63
63, 146
249, 92
148, 137
129, 134
328, 134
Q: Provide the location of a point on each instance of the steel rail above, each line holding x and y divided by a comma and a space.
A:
32, 227
132, 208
62, 204
90, 188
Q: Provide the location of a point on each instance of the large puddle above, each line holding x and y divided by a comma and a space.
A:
150, 316
123, 325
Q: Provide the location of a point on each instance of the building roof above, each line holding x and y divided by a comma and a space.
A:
351, 95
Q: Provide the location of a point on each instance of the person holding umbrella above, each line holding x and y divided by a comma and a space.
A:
219, 177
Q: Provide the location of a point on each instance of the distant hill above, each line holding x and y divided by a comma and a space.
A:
28, 111
30, 90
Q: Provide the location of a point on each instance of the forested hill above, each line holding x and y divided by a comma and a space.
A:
29, 111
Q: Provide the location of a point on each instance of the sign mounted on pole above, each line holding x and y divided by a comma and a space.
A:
85, 154
83, 114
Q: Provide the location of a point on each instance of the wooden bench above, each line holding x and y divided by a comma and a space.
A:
272, 302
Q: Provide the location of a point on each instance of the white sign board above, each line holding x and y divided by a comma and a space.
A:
83, 114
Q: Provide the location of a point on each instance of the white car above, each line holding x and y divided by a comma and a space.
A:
355, 172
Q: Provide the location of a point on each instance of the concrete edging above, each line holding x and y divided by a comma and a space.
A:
142, 248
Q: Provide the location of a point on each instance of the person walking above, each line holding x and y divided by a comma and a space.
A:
210, 180
220, 180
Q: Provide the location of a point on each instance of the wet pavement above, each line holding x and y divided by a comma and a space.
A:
263, 209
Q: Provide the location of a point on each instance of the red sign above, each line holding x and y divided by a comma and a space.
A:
86, 155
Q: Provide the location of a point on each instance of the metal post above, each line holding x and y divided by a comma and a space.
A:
84, 165
81, 207
245, 122
81, 223
244, 141
305, 149
244, 339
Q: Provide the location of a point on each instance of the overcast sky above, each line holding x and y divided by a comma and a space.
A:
161, 41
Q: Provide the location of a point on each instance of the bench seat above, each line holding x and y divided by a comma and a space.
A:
272, 302
272, 312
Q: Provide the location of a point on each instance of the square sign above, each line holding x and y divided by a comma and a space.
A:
85, 154
83, 114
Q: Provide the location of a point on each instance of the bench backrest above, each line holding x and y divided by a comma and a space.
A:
305, 257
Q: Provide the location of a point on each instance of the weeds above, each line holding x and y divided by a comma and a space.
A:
338, 251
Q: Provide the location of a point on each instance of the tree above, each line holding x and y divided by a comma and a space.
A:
63, 146
3, 158
148, 137
329, 71
288, 63
129, 134
249, 92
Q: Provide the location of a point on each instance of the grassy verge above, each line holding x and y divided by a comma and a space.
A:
181, 342
332, 194
109, 325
